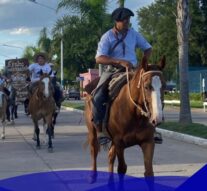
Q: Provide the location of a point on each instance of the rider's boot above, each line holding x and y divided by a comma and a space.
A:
102, 134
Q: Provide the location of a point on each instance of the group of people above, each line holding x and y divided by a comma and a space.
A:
35, 69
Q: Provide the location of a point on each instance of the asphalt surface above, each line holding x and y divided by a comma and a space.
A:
19, 155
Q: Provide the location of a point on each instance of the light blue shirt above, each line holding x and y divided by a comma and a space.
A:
132, 41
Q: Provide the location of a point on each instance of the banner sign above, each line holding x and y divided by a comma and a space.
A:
17, 71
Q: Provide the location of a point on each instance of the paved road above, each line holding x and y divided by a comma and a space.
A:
19, 155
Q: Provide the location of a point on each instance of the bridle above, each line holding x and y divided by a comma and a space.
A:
143, 74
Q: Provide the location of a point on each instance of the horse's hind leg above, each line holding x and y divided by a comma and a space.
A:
15, 111
49, 131
148, 152
94, 148
111, 158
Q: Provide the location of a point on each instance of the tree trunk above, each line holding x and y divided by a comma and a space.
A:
183, 27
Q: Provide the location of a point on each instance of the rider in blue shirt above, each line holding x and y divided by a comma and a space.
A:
116, 48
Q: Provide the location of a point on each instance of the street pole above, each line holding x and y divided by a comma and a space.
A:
61, 59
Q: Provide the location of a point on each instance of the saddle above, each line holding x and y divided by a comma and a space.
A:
116, 82
114, 85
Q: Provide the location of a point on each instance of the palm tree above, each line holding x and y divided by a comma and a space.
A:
121, 3
183, 27
29, 53
45, 43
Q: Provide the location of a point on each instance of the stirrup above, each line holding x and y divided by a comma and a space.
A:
103, 139
158, 138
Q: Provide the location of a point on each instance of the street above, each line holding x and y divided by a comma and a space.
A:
19, 155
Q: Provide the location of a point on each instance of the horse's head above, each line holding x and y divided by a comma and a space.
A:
45, 86
151, 85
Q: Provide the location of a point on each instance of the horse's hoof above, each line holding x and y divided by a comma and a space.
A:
50, 149
2, 136
34, 138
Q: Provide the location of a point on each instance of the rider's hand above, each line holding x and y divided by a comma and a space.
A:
126, 64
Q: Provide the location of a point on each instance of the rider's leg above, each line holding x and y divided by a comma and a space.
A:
99, 108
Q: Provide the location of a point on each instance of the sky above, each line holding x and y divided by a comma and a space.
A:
22, 20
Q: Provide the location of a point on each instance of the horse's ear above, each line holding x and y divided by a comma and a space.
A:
162, 62
144, 63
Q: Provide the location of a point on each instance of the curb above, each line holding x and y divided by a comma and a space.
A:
171, 134
183, 137
72, 109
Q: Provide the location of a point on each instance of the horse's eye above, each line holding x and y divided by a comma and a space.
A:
148, 87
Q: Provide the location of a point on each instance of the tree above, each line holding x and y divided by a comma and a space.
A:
121, 3
29, 53
81, 33
44, 43
183, 22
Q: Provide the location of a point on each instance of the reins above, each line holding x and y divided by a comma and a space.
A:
142, 74
146, 114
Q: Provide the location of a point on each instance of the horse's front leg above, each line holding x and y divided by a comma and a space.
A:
122, 167
45, 131
3, 126
37, 131
49, 131
148, 152
12, 112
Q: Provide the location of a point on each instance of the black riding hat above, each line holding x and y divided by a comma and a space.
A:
121, 13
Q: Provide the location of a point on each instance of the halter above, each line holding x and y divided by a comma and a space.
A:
142, 75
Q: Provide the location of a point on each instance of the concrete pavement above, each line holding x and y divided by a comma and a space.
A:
19, 155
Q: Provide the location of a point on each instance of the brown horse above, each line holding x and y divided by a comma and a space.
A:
42, 106
133, 116
3, 109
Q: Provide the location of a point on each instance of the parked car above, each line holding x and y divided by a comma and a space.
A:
170, 88
73, 94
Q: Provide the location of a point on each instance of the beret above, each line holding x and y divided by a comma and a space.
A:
121, 13
41, 54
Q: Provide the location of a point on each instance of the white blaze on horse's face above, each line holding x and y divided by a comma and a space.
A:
46, 83
157, 114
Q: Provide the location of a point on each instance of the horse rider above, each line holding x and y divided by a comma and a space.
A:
36, 68
3, 81
115, 49
58, 95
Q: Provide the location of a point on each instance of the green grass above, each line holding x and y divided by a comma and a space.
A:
193, 104
194, 129
73, 105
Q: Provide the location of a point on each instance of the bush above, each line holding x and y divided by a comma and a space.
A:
176, 96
